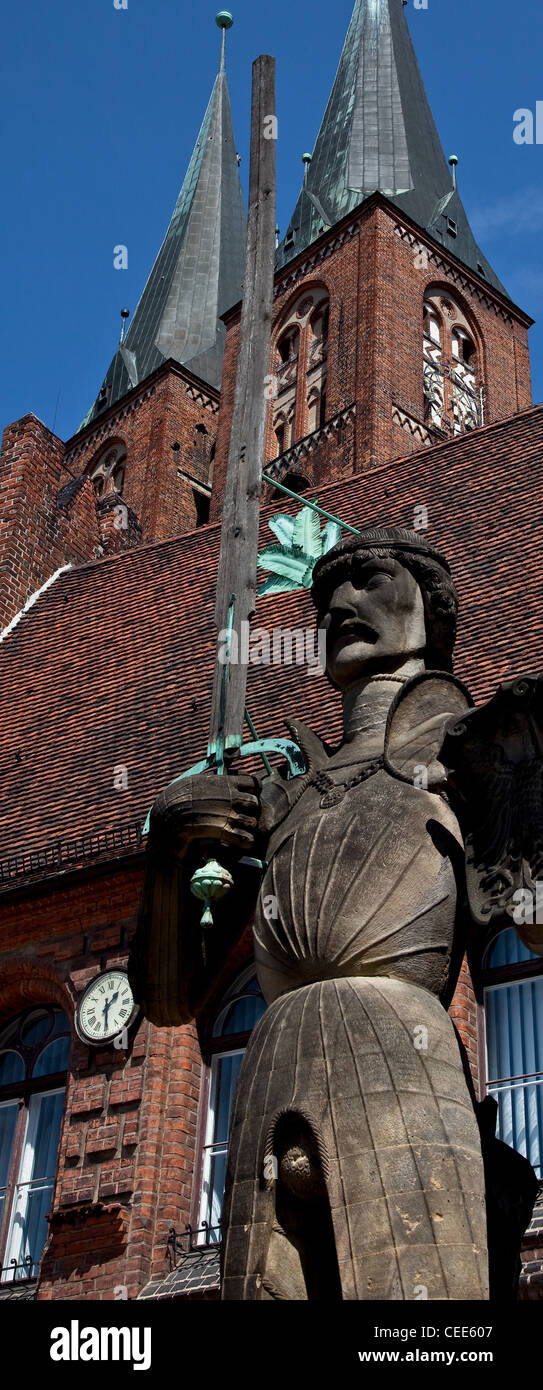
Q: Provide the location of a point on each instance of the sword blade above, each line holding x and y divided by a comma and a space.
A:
237, 573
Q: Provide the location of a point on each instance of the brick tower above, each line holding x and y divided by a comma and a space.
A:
391, 329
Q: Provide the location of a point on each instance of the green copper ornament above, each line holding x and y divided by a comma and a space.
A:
209, 884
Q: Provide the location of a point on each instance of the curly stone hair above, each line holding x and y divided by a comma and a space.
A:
428, 567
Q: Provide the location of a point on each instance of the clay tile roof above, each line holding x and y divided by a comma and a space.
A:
111, 668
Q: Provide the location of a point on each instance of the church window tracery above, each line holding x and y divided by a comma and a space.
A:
453, 388
299, 368
107, 472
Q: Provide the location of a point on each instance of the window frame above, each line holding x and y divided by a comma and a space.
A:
492, 978
213, 1047
22, 1093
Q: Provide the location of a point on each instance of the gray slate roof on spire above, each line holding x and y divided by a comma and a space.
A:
198, 273
378, 134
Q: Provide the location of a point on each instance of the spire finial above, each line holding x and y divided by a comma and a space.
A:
125, 314
453, 161
225, 21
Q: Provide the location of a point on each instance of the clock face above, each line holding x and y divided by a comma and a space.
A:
106, 1008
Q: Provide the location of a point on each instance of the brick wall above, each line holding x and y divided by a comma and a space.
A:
127, 1146
49, 519
38, 532
171, 408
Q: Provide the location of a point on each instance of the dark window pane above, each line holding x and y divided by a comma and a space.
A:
507, 949
8, 1120
226, 1082
36, 1028
243, 1015
12, 1068
61, 1023
53, 1058
47, 1136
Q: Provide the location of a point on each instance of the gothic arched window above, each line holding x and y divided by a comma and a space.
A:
513, 999
299, 368
108, 470
34, 1052
452, 377
239, 1012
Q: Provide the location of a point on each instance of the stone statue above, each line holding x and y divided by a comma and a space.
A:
361, 1166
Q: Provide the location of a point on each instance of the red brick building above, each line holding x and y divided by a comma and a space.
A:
400, 392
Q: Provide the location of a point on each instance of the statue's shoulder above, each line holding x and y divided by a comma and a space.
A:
417, 724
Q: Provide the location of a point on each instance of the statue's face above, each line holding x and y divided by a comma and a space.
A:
374, 625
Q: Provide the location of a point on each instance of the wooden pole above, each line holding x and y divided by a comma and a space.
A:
237, 574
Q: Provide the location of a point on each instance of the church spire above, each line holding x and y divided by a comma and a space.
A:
198, 272
378, 134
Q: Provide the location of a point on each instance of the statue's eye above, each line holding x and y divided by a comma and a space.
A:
376, 580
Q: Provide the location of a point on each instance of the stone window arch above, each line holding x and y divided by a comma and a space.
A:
34, 1054
107, 470
452, 365
299, 368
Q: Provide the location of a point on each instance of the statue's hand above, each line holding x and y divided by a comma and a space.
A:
208, 807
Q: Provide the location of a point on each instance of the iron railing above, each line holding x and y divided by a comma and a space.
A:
27, 1271
64, 853
184, 1244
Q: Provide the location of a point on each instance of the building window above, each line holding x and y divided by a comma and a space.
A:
314, 410
239, 1013
451, 373
280, 434
202, 502
513, 1002
296, 482
300, 359
288, 346
108, 470
34, 1052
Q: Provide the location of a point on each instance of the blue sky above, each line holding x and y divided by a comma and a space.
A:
99, 112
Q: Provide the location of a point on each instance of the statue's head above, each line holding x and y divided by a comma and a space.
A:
384, 597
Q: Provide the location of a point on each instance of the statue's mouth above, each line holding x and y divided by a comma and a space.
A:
354, 631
